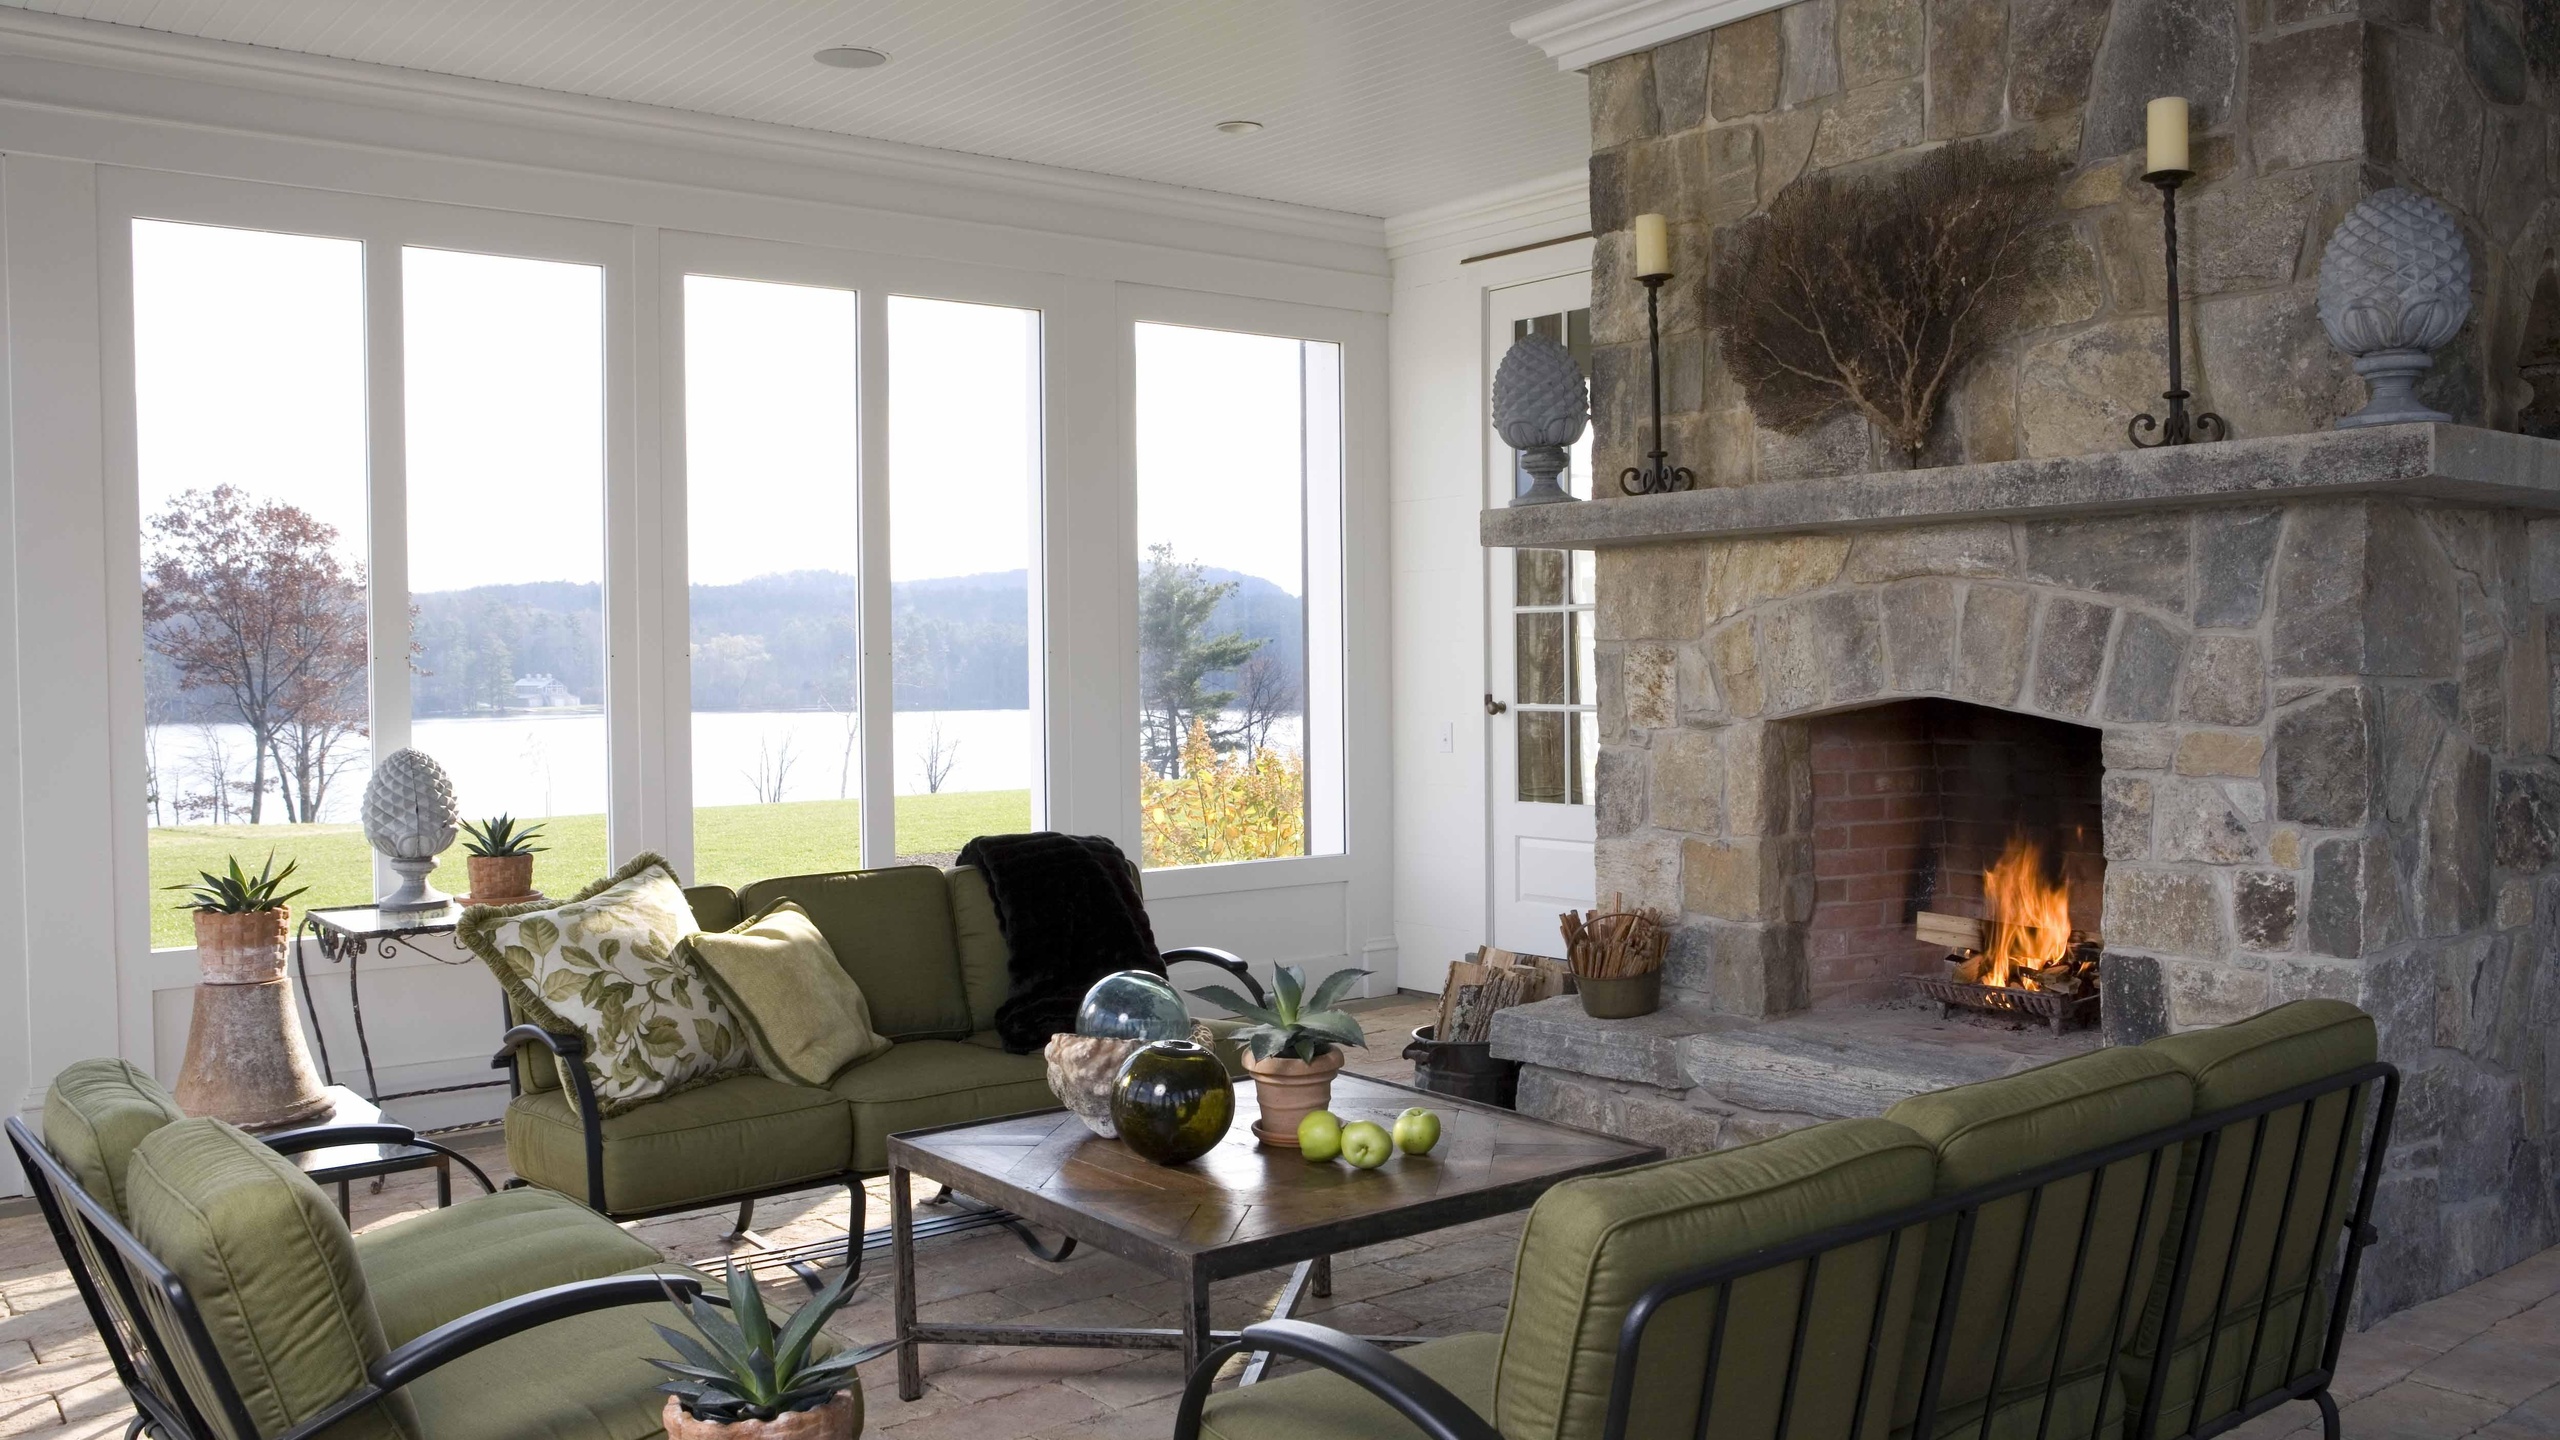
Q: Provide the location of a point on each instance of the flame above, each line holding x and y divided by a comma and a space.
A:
2035, 917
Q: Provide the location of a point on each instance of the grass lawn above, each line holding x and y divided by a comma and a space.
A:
732, 844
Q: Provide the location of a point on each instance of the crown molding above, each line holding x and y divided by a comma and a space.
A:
1581, 33
1551, 205
310, 78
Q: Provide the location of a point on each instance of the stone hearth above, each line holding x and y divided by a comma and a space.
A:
2320, 672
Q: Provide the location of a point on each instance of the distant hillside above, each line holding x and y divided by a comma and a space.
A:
782, 642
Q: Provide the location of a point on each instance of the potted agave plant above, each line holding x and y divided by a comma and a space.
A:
245, 1059
500, 855
240, 921
1292, 1048
738, 1378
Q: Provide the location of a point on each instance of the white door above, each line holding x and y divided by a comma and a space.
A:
1543, 704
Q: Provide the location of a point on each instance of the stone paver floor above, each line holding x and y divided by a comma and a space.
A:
2483, 1361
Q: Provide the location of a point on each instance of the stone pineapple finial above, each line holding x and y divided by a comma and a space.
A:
1539, 407
2395, 285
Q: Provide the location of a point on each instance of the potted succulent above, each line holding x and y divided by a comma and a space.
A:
1292, 1048
500, 855
738, 1378
245, 1059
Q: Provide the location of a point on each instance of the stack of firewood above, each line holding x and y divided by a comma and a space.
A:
1616, 944
1492, 980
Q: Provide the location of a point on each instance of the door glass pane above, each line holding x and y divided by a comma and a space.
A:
1538, 576
1239, 591
504, 379
1543, 756
964, 486
249, 412
770, 415
1540, 655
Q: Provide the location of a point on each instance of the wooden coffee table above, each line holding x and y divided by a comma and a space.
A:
1238, 1209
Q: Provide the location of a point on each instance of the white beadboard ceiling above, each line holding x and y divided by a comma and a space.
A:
1374, 107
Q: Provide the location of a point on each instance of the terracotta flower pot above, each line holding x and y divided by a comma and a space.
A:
1288, 1091
838, 1419
242, 949
500, 879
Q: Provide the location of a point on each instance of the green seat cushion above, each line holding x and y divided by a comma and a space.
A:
2291, 1045
608, 964
920, 1083
740, 1135
1320, 1405
94, 1115
272, 1270
583, 1378
805, 1018
986, 962
1998, 1129
437, 1265
892, 931
1594, 1245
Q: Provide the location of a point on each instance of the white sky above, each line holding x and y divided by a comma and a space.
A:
249, 363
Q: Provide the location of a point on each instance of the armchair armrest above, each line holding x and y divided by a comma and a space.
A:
332, 1137
582, 1092
489, 1325
1416, 1396
1226, 960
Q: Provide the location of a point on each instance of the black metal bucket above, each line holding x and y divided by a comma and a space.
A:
1463, 1071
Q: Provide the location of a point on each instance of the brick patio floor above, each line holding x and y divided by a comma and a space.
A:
2483, 1361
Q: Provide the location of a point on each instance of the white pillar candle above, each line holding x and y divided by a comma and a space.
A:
2168, 147
1653, 246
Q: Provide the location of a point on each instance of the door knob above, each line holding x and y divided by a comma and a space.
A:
1493, 706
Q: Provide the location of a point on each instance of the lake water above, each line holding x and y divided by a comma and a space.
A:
554, 764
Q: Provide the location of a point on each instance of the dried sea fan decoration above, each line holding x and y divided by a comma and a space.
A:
2395, 285
1871, 292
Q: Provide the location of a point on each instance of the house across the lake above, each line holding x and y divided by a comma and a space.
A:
543, 692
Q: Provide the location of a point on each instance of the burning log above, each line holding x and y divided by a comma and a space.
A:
2024, 960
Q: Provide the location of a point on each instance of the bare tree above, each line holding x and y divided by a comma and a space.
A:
842, 693
212, 790
773, 769
1266, 694
937, 756
1871, 291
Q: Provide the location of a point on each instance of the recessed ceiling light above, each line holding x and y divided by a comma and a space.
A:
851, 57
1238, 127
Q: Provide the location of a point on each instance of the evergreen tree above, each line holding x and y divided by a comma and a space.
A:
1176, 653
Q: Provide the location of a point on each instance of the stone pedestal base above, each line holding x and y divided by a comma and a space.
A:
245, 1059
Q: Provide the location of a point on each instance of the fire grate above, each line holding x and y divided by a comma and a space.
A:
2060, 1011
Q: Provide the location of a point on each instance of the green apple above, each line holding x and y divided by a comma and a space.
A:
1365, 1143
1320, 1137
1417, 1130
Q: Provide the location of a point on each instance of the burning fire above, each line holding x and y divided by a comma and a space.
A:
2030, 925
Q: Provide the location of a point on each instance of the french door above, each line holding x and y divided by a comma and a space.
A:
1542, 697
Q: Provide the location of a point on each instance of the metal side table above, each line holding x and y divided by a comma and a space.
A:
345, 934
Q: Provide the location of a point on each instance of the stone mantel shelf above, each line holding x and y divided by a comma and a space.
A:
2444, 462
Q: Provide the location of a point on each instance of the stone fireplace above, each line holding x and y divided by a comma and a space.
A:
2280, 711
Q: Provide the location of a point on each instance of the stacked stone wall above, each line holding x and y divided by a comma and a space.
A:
2301, 109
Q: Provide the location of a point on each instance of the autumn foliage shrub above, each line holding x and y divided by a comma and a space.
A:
1239, 806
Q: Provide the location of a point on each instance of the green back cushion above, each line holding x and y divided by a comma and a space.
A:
2234, 1064
805, 1018
2002, 1128
715, 907
272, 1271
608, 964
94, 1116
986, 962
892, 932
1592, 1246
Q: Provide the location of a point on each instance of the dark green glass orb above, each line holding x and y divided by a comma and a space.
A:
1173, 1101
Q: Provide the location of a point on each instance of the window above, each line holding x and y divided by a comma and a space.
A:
1239, 464
771, 402
504, 395
964, 476
250, 441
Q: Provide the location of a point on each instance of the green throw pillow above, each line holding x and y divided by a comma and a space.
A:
605, 965
805, 1018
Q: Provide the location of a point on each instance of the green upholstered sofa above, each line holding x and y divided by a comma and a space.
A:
924, 945
2001, 1261
234, 1303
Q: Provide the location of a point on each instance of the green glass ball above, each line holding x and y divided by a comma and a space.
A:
1173, 1101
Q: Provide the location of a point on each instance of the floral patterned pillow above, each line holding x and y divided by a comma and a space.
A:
606, 965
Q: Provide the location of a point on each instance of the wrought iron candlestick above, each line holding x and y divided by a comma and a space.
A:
1660, 476
2178, 428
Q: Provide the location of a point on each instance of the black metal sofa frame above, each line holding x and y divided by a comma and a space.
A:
1435, 1412
802, 1260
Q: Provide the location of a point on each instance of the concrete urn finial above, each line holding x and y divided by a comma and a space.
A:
2395, 285
409, 814
1540, 406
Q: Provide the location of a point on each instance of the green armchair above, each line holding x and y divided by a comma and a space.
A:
2002, 1261
234, 1303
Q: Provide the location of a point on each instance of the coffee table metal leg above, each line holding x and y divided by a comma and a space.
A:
1195, 1321
902, 1253
1322, 1276
1310, 1276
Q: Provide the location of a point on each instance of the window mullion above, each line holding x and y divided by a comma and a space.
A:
878, 680
387, 507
